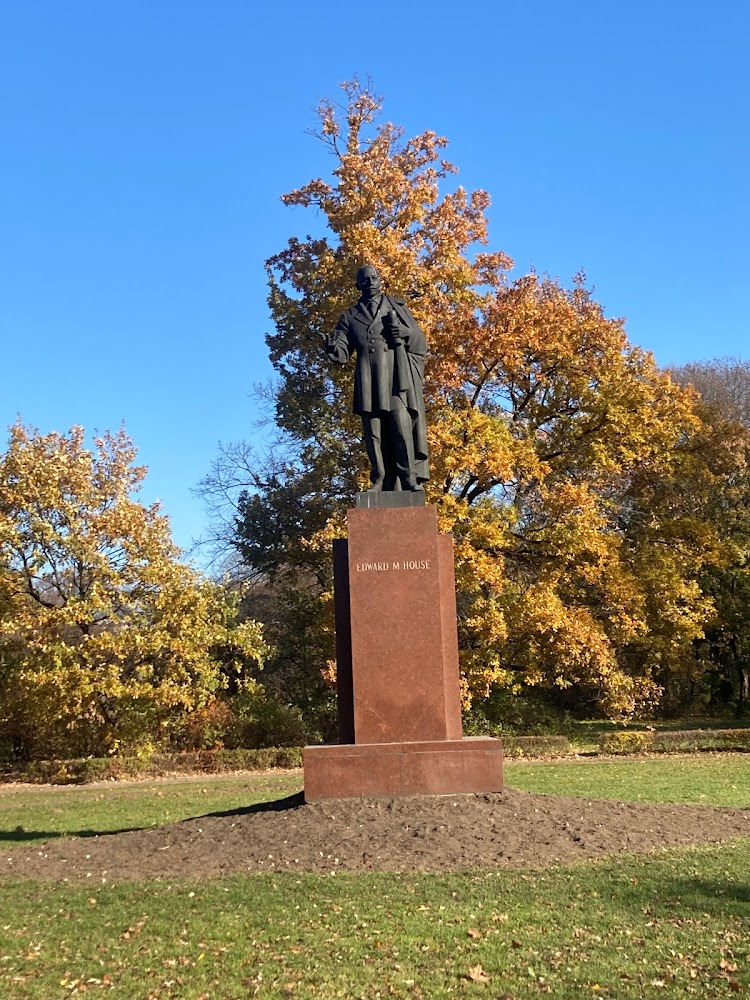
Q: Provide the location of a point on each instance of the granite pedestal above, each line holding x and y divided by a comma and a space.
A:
397, 665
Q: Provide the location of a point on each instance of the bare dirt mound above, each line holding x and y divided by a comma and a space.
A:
406, 834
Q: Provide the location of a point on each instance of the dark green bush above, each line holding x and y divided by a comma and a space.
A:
267, 723
506, 713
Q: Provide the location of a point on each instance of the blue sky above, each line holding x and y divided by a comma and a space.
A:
145, 146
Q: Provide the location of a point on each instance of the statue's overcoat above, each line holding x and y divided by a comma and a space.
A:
383, 371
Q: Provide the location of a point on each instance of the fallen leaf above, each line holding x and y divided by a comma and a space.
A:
477, 974
473, 932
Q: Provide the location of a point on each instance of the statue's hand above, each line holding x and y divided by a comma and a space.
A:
395, 334
335, 348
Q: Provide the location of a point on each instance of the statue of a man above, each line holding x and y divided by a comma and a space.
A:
388, 383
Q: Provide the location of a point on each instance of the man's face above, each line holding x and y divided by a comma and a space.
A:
368, 282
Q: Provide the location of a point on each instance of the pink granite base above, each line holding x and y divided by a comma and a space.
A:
439, 767
398, 681
399, 619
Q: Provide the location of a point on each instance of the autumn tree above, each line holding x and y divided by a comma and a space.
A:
723, 384
724, 652
106, 638
548, 432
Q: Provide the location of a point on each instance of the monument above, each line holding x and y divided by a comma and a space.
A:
388, 384
399, 706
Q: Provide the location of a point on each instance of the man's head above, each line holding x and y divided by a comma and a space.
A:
368, 282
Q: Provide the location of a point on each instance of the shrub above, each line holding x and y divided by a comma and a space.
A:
634, 741
676, 741
248, 719
535, 746
213, 725
60, 772
734, 739
692, 740
267, 723
526, 714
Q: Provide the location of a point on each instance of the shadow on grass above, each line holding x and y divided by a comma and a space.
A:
293, 801
711, 894
20, 835
650, 884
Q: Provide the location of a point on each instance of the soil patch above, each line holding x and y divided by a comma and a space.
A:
419, 833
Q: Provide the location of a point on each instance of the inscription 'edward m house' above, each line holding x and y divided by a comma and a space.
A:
397, 565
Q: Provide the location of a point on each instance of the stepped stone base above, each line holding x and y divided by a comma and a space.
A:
437, 767
399, 698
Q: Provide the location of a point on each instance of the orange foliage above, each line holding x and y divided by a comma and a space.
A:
547, 428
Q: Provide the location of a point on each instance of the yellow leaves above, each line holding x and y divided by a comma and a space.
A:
334, 528
329, 673
472, 448
560, 643
99, 613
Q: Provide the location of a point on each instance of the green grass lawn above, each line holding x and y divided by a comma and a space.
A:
710, 779
38, 813
673, 924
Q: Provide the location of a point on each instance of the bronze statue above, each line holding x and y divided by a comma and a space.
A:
388, 383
